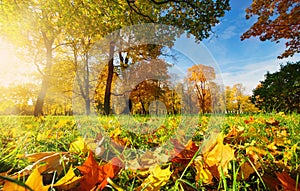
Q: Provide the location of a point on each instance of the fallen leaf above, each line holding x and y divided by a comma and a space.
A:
69, 181
183, 154
216, 156
287, 182
34, 181
47, 162
158, 178
246, 170
203, 174
272, 182
78, 146
95, 176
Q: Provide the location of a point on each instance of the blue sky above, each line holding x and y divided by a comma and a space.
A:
236, 61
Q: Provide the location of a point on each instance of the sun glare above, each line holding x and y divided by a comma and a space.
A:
12, 69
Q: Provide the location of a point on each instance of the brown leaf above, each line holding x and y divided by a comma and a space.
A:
287, 182
183, 154
272, 182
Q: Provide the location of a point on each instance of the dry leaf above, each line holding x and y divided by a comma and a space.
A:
69, 181
287, 182
216, 156
34, 181
78, 146
95, 176
203, 174
51, 161
272, 182
183, 154
158, 177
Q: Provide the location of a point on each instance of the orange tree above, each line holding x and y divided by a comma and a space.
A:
276, 19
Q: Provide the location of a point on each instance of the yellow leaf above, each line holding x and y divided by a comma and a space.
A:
203, 174
156, 179
78, 146
216, 155
34, 181
69, 181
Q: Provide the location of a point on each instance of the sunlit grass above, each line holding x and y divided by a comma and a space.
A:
25, 134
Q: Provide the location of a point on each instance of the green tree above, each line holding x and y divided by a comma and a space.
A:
276, 20
280, 91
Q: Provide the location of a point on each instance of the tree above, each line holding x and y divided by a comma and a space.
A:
277, 19
35, 25
46, 25
279, 91
200, 76
237, 102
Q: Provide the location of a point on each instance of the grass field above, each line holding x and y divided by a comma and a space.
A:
265, 151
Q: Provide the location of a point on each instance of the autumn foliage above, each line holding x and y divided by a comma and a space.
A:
234, 155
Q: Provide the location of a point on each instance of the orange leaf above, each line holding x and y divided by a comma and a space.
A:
287, 182
95, 176
183, 154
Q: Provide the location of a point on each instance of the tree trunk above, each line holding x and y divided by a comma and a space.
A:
38, 110
110, 74
87, 88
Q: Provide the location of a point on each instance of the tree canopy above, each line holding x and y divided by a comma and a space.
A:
276, 20
280, 91
43, 26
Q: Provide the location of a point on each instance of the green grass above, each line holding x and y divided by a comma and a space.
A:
25, 134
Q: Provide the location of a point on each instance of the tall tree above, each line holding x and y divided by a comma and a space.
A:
200, 76
276, 20
37, 27
280, 91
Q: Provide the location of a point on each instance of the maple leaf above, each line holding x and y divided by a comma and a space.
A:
183, 154
69, 181
95, 176
34, 181
203, 174
216, 155
158, 178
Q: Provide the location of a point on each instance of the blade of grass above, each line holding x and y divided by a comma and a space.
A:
20, 183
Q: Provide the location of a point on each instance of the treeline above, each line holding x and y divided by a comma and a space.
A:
147, 88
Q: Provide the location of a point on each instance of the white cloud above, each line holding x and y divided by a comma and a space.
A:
250, 75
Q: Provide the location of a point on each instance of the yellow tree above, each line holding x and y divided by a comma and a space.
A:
200, 76
237, 102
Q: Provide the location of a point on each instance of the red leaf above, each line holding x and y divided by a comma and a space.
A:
183, 154
95, 176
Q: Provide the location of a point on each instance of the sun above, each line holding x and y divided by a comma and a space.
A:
12, 69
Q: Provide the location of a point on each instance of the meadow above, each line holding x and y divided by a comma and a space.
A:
232, 152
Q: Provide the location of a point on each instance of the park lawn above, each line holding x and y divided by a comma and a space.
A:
265, 151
